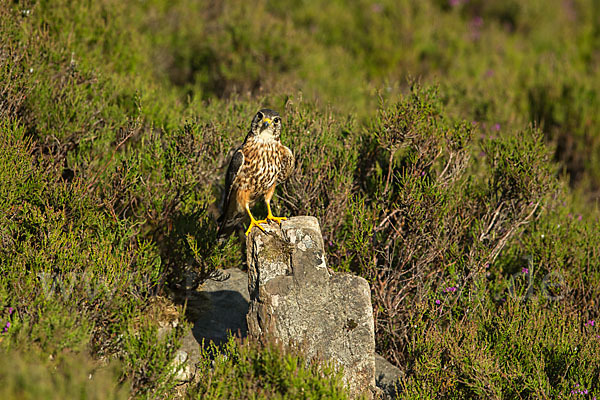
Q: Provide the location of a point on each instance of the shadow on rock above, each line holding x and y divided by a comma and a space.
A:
224, 313
220, 308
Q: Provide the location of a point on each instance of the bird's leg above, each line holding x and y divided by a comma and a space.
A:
270, 216
253, 222
273, 218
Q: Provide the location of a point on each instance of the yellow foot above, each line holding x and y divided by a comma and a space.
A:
254, 222
276, 219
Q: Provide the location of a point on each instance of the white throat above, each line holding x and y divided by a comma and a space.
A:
265, 136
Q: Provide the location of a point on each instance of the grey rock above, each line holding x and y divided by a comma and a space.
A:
181, 367
209, 304
218, 308
221, 308
295, 299
387, 376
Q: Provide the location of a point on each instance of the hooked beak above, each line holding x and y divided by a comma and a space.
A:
266, 122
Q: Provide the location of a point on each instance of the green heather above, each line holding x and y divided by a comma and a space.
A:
449, 148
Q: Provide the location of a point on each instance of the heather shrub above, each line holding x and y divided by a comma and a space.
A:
244, 370
75, 278
466, 196
28, 377
423, 218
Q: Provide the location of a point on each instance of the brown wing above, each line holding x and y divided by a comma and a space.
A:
237, 160
228, 209
287, 164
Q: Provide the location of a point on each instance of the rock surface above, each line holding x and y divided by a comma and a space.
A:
181, 366
221, 308
386, 377
294, 299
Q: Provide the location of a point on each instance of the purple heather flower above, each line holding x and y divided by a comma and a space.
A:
423, 173
525, 270
438, 302
577, 390
497, 127
10, 310
6, 327
579, 217
450, 289
590, 322
453, 3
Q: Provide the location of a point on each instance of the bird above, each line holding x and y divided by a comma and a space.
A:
256, 167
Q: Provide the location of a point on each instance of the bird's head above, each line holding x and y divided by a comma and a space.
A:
266, 125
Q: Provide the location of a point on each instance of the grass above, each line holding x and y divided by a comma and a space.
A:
441, 144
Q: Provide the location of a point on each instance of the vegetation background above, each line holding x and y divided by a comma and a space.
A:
449, 148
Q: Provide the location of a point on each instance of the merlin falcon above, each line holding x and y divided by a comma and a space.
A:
256, 167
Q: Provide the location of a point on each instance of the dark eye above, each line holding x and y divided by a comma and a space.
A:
277, 120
